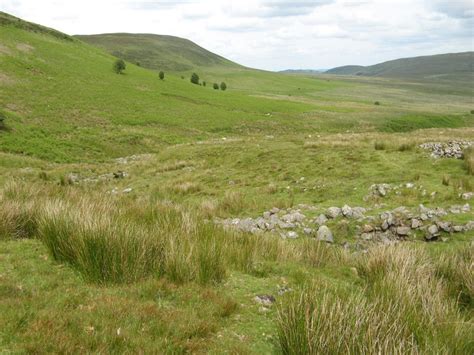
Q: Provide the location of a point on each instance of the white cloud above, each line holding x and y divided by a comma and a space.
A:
275, 34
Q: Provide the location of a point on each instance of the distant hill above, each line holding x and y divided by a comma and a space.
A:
157, 52
441, 66
303, 71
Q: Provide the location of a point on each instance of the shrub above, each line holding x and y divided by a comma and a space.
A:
377, 103
405, 147
204, 83
215, 86
195, 79
472, 112
119, 66
162, 75
469, 160
223, 86
2, 121
380, 146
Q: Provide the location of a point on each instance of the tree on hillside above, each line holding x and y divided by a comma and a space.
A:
223, 86
162, 75
204, 83
195, 79
119, 66
216, 86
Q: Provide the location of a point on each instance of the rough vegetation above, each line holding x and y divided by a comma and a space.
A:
287, 215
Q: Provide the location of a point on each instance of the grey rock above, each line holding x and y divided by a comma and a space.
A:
432, 232
416, 223
367, 228
444, 226
458, 229
322, 219
467, 195
308, 231
265, 300
292, 235
324, 234
403, 231
127, 190
333, 212
346, 211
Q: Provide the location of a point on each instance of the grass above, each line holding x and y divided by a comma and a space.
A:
469, 160
405, 307
132, 262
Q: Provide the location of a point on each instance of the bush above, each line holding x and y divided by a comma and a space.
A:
215, 86
195, 79
405, 147
162, 75
223, 86
2, 121
204, 83
377, 103
380, 146
119, 66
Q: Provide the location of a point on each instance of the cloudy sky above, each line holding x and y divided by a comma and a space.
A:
275, 35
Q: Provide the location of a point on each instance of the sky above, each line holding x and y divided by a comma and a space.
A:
275, 35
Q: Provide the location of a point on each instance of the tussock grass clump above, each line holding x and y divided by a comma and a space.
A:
456, 268
311, 323
469, 160
380, 146
112, 246
408, 304
405, 147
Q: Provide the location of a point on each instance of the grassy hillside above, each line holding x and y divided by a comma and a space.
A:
157, 52
453, 66
114, 190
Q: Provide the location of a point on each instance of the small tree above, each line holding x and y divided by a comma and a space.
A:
204, 83
162, 75
216, 86
119, 66
223, 86
195, 79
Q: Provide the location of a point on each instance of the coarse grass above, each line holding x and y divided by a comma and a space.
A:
404, 307
469, 160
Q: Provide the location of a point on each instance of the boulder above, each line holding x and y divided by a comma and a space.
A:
346, 211
432, 233
416, 223
324, 234
292, 235
333, 212
403, 231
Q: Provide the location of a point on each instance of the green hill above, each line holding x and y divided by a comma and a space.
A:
452, 66
156, 51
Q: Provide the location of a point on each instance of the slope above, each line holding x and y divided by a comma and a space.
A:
156, 51
452, 66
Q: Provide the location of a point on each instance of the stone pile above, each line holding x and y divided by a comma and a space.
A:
401, 223
389, 226
452, 149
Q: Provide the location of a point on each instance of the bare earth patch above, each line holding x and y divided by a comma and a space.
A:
25, 48
5, 50
6, 80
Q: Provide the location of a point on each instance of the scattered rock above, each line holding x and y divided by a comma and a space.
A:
403, 231
333, 212
432, 232
346, 211
467, 195
452, 149
265, 300
324, 234
292, 235
416, 223
322, 219
127, 190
